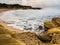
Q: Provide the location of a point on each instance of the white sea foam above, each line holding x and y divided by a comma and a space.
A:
21, 19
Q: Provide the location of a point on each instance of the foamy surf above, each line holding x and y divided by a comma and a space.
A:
29, 19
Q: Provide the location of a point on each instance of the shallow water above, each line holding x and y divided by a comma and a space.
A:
29, 19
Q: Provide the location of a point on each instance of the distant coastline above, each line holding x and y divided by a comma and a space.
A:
16, 6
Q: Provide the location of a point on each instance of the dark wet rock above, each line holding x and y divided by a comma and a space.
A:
45, 37
28, 28
40, 27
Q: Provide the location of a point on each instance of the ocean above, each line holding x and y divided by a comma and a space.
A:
29, 20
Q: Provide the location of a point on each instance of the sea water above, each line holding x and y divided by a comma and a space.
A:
29, 20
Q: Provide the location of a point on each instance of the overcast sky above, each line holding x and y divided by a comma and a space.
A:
34, 3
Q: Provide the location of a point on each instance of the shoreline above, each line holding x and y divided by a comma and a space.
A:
4, 24
10, 28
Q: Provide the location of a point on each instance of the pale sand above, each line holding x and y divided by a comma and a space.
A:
4, 24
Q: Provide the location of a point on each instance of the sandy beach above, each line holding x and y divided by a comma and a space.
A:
4, 24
